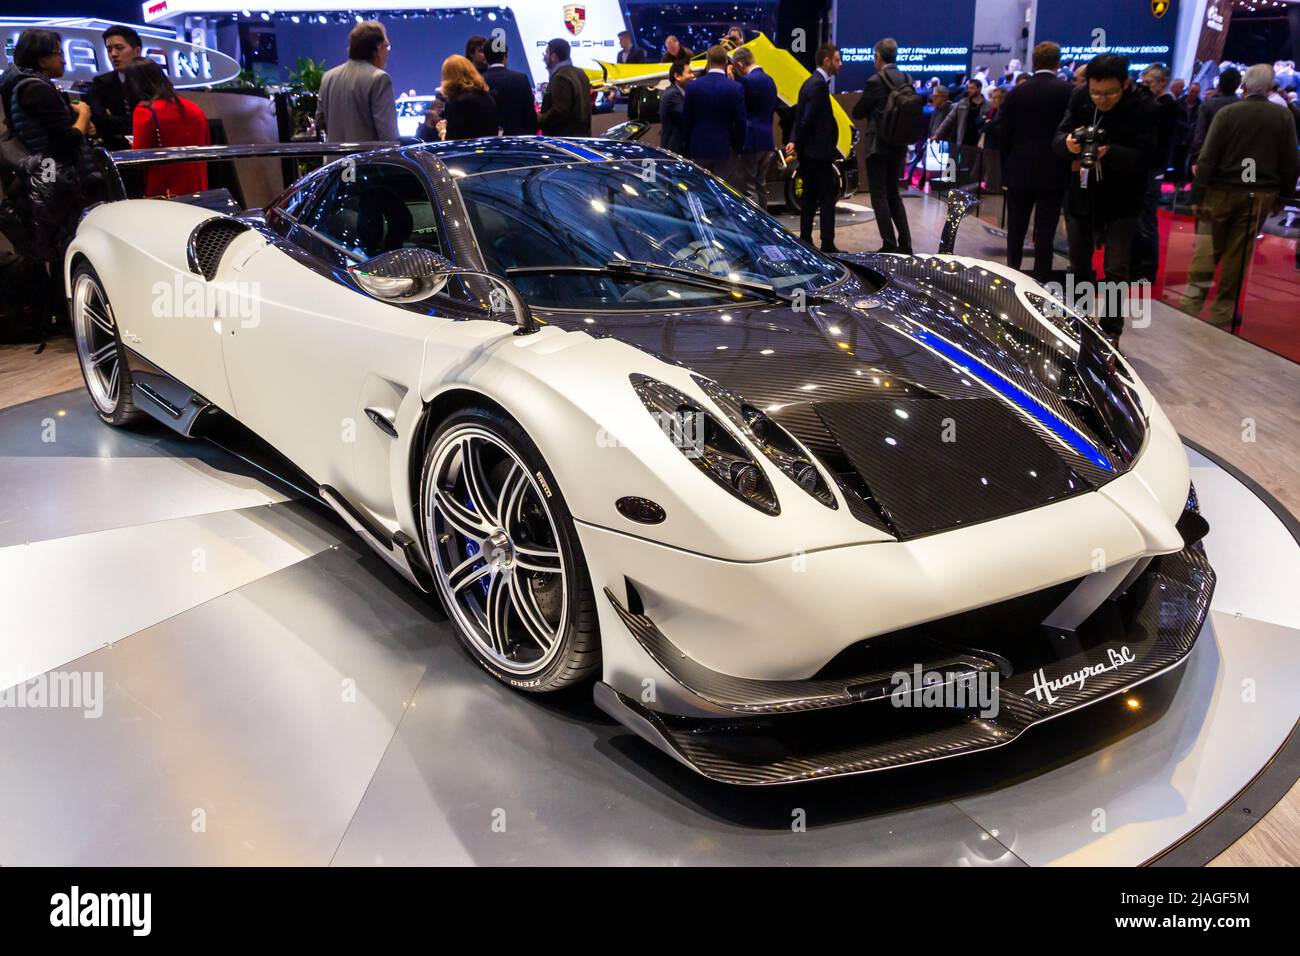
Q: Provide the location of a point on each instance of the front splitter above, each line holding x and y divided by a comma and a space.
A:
1148, 632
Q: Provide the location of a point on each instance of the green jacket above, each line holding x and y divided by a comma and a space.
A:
1251, 147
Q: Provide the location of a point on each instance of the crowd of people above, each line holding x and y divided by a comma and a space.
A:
1089, 141
722, 119
47, 172
479, 94
1085, 139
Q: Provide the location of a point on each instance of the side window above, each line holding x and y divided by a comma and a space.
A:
379, 207
280, 215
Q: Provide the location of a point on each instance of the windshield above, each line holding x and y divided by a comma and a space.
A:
666, 212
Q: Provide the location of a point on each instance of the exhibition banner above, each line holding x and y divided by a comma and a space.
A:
935, 42
591, 27
1214, 30
1142, 30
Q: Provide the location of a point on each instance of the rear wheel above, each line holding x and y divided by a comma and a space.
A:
505, 556
99, 349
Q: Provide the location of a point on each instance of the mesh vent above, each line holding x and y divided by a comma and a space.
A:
208, 243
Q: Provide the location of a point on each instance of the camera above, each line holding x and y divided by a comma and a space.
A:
1089, 138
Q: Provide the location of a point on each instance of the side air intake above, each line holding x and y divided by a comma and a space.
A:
208, 243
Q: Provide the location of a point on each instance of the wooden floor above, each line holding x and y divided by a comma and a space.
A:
24, 375
1242, 403
1238, 400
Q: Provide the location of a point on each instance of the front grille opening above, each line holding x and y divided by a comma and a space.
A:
1009, 629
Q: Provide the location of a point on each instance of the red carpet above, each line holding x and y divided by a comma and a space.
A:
1271, 305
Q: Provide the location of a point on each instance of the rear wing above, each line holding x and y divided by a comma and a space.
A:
111, 164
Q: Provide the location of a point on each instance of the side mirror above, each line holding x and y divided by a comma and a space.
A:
413, 275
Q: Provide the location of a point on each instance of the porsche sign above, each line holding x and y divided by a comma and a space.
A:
575, 17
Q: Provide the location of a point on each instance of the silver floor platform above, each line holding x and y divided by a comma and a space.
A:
272, 694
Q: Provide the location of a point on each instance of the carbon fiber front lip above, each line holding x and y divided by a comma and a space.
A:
1165, 614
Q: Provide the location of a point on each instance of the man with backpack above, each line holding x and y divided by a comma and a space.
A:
892, 110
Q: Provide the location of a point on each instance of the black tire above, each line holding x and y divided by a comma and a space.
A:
120, 410
794, 190
577, 656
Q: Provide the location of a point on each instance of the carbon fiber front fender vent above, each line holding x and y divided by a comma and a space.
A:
208, 243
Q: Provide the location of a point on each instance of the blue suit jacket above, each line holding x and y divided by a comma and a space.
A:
714, 117
760, 105
672, 122
514, 96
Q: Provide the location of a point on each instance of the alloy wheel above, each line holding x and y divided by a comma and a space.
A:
96, 335
496, 552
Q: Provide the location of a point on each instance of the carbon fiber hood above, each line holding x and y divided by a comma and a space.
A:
935, 397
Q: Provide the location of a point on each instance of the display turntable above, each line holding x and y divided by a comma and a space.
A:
273, 694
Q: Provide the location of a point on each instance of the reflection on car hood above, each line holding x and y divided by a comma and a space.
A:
937, 401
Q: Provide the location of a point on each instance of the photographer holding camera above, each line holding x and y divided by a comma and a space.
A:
1109, 133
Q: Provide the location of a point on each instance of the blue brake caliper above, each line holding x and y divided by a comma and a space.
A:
472, 548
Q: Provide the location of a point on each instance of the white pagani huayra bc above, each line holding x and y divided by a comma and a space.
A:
631, 433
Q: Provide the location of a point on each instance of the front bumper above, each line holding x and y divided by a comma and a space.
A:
847, 720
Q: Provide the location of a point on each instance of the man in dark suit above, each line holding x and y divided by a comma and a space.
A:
1225, 94
884, 159
814, 139
628, 51
1034, 175
566, 107
672, 108
110, 104
758, 152
476, 51
715, 118
511, 90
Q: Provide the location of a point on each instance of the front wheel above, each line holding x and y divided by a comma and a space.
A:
99, 349
505, 556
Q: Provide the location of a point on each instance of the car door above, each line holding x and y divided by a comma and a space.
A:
319, 369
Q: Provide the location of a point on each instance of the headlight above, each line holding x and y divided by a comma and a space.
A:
776, 444
707, 443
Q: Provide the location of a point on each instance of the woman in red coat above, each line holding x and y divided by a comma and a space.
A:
164, 119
